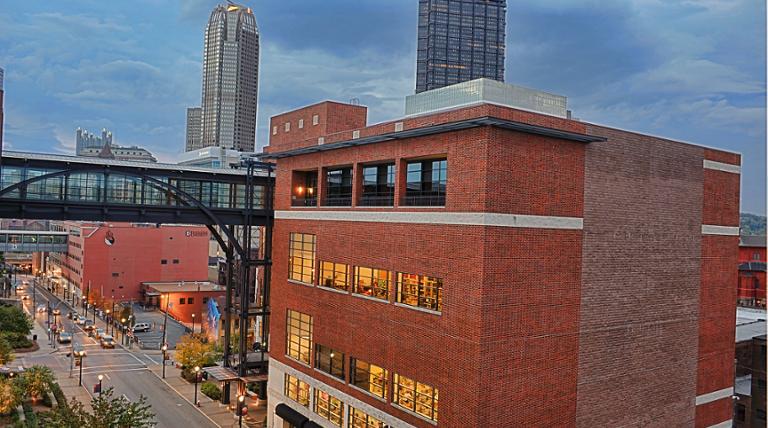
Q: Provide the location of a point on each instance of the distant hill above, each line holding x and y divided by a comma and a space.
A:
752, 224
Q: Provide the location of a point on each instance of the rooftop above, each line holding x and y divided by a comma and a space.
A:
743, 385
748, 330
183, 286
752, 241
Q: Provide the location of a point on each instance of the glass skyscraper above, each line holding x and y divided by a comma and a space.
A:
460, 40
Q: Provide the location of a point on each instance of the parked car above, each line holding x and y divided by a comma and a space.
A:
65, 337
97, 333
141, 327
81, 320
25, 297
107, 341
88, 325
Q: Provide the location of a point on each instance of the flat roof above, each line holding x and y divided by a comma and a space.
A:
438, 129
184, 286
752, 241
749, 330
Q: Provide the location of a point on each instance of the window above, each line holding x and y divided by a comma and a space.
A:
301, 257
299, 331
334, 275
741, 412
426, 183
330, 361
315, 119
756, 256
115, 274
372, 282
163, 262
329, 407
360, 419
378, 185
303, 193
301, 123
338, 190
175, 261
297, 390
420, 290
182, 300
368, 377
205, 300
287, 126
190, 300
416, 397
274, 130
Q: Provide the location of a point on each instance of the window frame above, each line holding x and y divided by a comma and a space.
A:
301, 274
432, 303
355, 370
379, 189
426, 191
364, 420
333, 267
293, 390
297, 349
374, 283
330, 361
432, 399
327, 413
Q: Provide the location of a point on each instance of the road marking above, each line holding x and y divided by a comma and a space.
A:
121, 370
185, 399
107, 376
112, 365
150, 359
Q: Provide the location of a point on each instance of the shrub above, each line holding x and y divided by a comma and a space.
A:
59, 394
13, 319
46, 401
10, 396
6, 352
37, 381
16, 340
211, 390
29, 415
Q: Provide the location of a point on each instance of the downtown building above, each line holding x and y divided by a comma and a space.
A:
493, 265
227, 115
91, 145
459, 40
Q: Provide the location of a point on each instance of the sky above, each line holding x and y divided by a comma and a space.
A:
689, 70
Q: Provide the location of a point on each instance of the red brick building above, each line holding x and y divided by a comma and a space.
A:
115, 258
182, 298
486, 266
752, 267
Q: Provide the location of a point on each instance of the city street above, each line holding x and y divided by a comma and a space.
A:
129, 372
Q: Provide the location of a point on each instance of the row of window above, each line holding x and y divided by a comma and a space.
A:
165, 262
426, 182
327, 406
407, 393
300, 123
411, 289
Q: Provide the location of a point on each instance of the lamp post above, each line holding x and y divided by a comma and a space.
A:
193, 323
122, 327
197, 375
101, 377
240, 402
80, 355
107, 321
165, 350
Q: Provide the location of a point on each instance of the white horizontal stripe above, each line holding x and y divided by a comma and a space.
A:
723, 424
711, 229
470, 219
720, 166
714, 396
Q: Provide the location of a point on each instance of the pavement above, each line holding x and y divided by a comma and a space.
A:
132, 373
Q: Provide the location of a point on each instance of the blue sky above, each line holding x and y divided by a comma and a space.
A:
692, 70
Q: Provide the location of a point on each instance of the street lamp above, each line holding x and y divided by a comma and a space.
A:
240, 402
193, 323
107, 320
165, 350
80, 355
101, 377
122, 328
197, 375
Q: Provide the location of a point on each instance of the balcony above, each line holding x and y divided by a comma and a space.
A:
424, 199
338, 200
377, 200
303, 201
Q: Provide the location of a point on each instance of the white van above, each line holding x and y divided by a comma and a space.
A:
141, 326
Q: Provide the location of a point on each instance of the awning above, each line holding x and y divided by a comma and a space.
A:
255, 378
291, 416
221, 374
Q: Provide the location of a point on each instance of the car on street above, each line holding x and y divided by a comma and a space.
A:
80, 320
88, 325
141, 327
25, 297
107, 341
42, 308
96, 332
65, 337
72, 315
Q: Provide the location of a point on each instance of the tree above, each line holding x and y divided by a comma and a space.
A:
195, 350
108, 412
65, 415
10, 395
13, 319
6, 352
37, 381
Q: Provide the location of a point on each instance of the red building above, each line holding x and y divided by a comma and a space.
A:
485, 266
182, 298
752, 267
115, 258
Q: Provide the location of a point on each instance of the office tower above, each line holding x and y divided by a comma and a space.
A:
194, 137
85, 140
459, 40
2, 74
230, 79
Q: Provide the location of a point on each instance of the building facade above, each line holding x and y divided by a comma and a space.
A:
85, 140
2, 93
116, 258
133, 153
752, 271
491, 267
459, 40
230, 79
194, 130
210, 157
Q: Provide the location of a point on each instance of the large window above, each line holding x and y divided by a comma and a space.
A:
329, 407
297, 390
304, 191
330, 361
338, 187
426, 182
298, 342
334, 275
301, 258
368, 377
360, 419
416, 397
372, 282
378, 185
420, 290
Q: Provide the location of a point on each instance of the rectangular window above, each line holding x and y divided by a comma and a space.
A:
190, 300
330, 361
297, 390
372, 282
334, 275
115, 274
315, 119
420, 290
360, 419
287, 126
301, 257
426, 183
274, 130
304, 189
368, 377
182, 300
378, 185
299, 336
163, 262
338, 190
756, 256
416, 397
175, 261
301, 123
329, 407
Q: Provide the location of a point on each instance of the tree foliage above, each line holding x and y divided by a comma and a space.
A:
195, 350
13, 319
108, 412
752, 224
6, 352
10, 395
37, 381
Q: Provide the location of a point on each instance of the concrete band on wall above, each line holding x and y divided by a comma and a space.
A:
720, 166
714, 396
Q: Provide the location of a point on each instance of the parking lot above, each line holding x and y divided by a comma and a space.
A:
153, 339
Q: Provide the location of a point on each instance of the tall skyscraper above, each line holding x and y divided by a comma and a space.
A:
460, 40
230, 79
2, 74
194, 130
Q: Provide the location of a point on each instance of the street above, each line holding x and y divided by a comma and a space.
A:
127, 371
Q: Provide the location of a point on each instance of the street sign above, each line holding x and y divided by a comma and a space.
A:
97, 388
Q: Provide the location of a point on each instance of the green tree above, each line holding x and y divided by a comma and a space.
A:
195, 350
10, 395
6, 352
65, 415
37, 381
13, 319
108, 412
